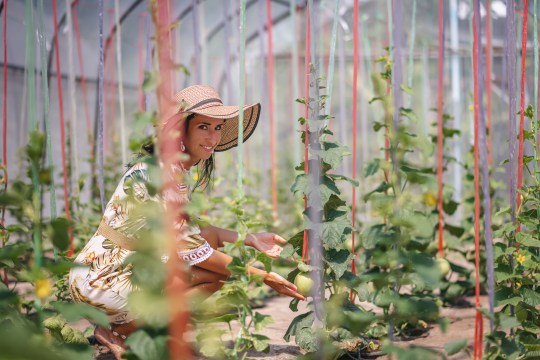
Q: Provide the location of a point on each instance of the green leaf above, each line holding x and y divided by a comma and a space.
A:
147, 348
236, 266
507, 322
457, 231
450, 207
334, 202
408, 113
265, 260
371, 168
527, 240
293, 305
260, 342
351, 181
227, 318
287, 252
453, 347
58, 232
338, 260
261, 321
503, 272
376, 98
76, 311
505, 210
406, 89
333, 153
14, 251
151, 80
335, 230
505, 296
307, 339
529, 296
299, 322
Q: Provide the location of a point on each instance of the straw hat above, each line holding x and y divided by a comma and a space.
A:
204, 100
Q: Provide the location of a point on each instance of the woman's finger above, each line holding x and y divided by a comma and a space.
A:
279, 239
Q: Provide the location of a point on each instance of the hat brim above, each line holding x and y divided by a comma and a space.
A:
229, 131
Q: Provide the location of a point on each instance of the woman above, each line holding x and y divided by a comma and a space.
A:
104, 280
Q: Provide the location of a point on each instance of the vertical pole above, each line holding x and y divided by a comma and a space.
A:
456, 146
101, 181
62, 127
440, 125
273, 164
123, 143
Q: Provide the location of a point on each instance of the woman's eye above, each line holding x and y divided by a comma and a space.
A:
203, 127
218, 127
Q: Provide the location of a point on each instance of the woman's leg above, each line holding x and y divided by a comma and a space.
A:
114, 338
203, 283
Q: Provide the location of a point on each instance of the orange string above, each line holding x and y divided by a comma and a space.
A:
440, 144
271, 106
478, 321
522, 105
169, 147
62, 127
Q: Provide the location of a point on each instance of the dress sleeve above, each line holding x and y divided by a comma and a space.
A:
191, 246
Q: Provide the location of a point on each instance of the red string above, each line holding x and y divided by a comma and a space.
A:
81, 70
440, 144
478, 321
62, 127
112, 74
522, 105
488, 77
354, 120
305, 252
141, 60
4, 134
271, 105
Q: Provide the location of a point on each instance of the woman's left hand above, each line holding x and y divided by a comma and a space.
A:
267, 243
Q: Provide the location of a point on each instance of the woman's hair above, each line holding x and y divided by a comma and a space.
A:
205, 171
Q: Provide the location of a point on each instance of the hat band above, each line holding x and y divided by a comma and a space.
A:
204, 102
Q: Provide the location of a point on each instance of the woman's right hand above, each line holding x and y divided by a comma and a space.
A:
282, 286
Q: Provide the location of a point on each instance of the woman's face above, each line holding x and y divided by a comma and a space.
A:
202, 136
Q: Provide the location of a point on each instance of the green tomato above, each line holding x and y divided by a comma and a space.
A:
304, 283
443, 265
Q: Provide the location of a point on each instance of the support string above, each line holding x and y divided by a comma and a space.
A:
270, 57
440, 125
305, 245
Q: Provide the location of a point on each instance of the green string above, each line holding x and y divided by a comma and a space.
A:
30, 66
390, 23
242, 60
411, 47
45, 91
295, 72
330, 79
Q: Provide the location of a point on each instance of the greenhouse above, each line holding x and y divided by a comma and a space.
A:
276, 179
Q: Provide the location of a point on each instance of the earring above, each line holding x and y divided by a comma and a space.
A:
182, 146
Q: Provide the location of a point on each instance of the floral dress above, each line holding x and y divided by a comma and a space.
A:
104, 278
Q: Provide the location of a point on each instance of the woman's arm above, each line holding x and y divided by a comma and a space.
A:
216, 237
265, 242
218, 262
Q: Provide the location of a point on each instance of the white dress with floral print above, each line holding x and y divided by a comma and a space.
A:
104, 279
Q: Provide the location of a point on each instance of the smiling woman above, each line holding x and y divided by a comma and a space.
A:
104, 278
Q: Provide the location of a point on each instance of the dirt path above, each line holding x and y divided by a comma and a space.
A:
461, 327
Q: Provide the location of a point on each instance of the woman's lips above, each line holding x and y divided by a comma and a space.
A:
210, 149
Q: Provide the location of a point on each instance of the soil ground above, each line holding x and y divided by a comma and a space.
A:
461, 328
